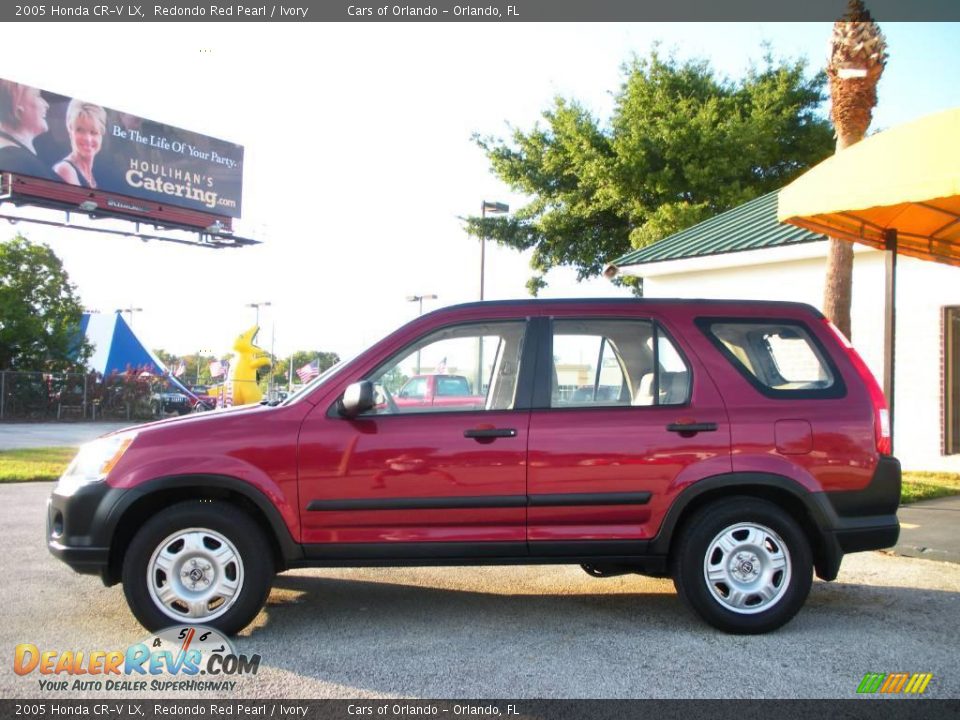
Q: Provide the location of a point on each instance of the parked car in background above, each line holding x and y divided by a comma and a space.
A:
164, 399
204, 400
747, 447
438, 390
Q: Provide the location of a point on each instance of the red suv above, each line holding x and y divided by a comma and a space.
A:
735, 446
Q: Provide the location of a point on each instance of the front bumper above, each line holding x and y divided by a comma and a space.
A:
76, 527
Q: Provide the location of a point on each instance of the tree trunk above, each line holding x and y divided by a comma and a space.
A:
838, 286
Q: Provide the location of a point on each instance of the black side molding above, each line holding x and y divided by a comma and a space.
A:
424, 503
574, 499
482, 501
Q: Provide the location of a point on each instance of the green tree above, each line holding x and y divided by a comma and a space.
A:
198, 369
168, 359
39, 311
681, 146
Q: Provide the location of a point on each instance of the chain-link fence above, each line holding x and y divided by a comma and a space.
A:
74, 396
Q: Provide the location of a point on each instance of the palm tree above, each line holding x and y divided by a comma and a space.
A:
857, 58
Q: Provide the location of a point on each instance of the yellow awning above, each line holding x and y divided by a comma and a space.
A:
906, 178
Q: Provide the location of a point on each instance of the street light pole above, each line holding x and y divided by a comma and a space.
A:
130, 311
420, 299
273, 359
494, 208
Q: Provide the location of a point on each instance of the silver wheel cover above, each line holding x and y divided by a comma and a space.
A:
747, 568
195, 575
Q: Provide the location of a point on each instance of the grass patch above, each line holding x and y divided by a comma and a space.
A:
928, 485
30, 464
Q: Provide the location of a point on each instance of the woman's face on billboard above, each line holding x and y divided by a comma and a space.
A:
33, 112
86, 136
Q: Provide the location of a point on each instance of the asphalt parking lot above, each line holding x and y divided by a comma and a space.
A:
34, 435
518, 632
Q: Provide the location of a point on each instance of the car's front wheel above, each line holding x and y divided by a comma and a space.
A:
744, 565
201, 563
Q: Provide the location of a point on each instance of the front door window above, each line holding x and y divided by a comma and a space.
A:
463, 368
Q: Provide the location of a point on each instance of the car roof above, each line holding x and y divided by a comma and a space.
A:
541, 304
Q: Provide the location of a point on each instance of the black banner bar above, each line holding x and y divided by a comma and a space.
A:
495, 11
122, 709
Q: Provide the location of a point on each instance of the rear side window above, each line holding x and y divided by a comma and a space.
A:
781, 359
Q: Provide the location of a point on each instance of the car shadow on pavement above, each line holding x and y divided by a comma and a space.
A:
406, 601
406, 636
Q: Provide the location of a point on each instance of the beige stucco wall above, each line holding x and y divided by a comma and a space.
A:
923, 290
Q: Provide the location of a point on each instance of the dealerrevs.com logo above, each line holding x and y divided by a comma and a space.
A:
181, 658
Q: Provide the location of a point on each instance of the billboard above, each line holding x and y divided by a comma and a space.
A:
75, 145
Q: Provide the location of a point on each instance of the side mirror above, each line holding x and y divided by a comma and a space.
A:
357, 398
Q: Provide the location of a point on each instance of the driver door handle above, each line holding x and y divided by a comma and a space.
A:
691, 428
489, 433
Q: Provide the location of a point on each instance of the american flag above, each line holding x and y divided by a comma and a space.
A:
217, 369
308, 372
180, 369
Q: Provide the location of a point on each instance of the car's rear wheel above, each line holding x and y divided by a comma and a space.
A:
200, 563
744, 565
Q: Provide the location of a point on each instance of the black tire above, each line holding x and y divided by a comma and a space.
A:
759, 536
250, 566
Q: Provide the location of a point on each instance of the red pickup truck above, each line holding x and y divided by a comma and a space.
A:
439, 391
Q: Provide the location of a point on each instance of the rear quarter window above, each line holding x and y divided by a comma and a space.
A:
780, 358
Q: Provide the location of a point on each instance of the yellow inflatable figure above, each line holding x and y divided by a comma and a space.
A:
242, 388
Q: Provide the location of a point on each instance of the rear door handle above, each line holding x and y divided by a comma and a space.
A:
489, 433
691, 428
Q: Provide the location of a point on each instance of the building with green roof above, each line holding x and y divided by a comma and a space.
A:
746, 253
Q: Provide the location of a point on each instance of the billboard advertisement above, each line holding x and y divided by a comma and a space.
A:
76, 143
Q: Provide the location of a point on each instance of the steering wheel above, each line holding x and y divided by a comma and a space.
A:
387, 399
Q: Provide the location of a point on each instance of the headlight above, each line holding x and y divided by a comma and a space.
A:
94, 462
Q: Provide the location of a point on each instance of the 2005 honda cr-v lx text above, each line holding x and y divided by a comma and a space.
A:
735, 446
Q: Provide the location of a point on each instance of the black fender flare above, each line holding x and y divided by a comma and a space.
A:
820, 516
126, 498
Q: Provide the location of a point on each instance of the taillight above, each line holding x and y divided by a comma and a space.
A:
881, 414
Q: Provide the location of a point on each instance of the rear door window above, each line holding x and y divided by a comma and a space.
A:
600, 363
781, 359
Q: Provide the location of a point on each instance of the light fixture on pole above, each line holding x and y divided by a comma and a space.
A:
257, 306
130, 311
420, 299
494, 208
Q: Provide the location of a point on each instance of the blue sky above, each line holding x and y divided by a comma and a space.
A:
358, 153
